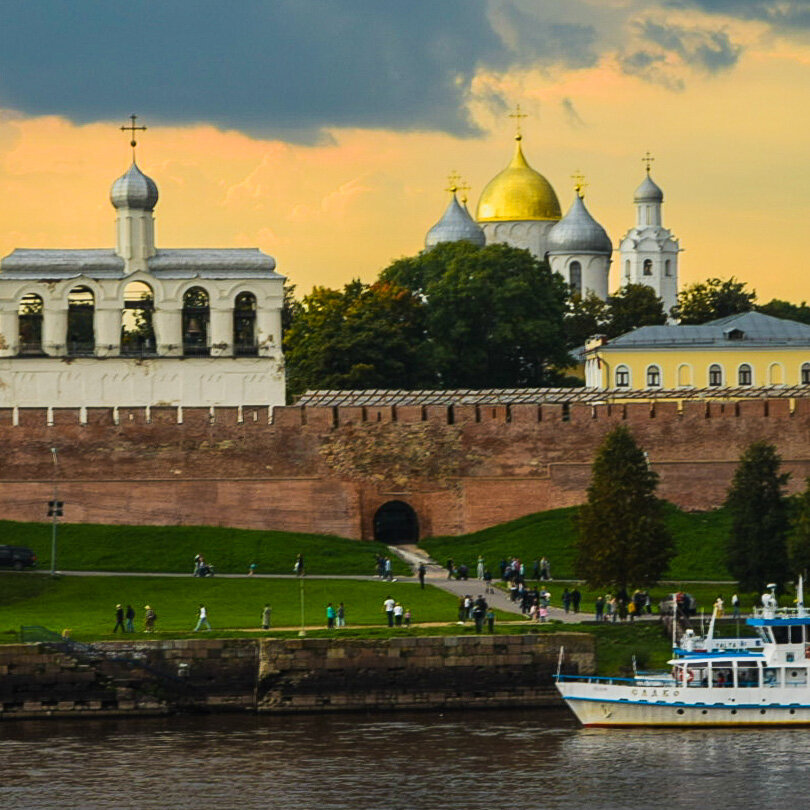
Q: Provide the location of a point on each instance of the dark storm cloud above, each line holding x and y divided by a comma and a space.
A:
709, 50
785, 15
269, 67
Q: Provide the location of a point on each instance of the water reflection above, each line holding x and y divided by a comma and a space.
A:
526, 759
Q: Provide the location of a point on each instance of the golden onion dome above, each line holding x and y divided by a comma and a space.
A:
518, 193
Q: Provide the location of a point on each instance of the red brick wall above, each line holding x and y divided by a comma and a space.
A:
220, 470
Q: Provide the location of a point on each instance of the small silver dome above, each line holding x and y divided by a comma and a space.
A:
578, 232
456, 225
134, 190
648, 191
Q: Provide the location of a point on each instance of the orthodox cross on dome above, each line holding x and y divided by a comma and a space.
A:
132, 129
518, 115
453, 180
463, 187
648, 159
579, 183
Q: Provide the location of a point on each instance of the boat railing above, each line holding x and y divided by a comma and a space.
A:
776, 612
648, 680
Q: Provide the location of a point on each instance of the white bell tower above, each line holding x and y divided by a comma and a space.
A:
649, 251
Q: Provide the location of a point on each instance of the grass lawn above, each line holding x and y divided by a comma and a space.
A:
699, 538
96, 547
86, 604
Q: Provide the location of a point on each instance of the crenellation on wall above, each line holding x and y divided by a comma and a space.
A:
287, 416
409, 414
320, 419
347, 415
438, 414
525, 414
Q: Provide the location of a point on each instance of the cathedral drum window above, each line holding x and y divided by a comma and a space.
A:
805, 373
715, 375
196, 323
575, 277
30, 325
622, 377
744, 375
81, 339
653, 377
244, 325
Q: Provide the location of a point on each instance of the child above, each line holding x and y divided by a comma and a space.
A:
406, 619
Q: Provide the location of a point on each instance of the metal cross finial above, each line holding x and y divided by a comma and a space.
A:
517, 115
648, 159
132, 129
453, 180
579, 183
463, 187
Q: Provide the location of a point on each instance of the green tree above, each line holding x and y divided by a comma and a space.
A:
622, 538
756, 549
711, 299
365, 336
799, 537
587, 316
632, 306
784, 309
494, 316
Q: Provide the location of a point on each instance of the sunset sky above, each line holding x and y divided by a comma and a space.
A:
323, 132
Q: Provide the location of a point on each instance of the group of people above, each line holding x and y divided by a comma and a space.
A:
383, 568
476, 610
125, 619
335, 616
396, 614
202, 568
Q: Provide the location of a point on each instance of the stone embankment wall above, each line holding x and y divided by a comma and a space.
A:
293, 675
461, 468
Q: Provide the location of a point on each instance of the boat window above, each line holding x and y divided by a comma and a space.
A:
747, 675
781, 635
721, 676
796, 634
796, 676
770, 677
697, 675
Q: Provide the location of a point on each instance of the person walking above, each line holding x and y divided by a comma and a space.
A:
479, 571
576, 598
202, 620
130, 616
341, 615
399, 611
491, 620
735, 606
330, 616
119, 619
266, 613
149, 619
422, 572
450, 568
388, 607
298, 568
599, 607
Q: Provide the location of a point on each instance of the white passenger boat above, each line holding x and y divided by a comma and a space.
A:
713, 682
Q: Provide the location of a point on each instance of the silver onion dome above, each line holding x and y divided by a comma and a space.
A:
134, 190
456, 225
648, 191
578, 232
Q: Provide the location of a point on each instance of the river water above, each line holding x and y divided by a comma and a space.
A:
475, 760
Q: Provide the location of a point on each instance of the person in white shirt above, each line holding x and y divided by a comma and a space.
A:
388, 607
203, 619
398, 611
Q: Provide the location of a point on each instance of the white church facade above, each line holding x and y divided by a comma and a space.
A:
138, 325
519, 207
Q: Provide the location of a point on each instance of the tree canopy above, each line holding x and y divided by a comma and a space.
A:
365, 336
714, 298
494, 316
756, 548
632, 306
622, 535
784, 309
799, 537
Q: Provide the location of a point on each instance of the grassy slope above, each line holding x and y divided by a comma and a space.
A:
86, 605
94, 547
699, 539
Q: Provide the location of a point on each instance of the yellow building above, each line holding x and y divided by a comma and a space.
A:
740, 351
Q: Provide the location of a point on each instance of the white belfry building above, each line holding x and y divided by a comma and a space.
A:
138, 325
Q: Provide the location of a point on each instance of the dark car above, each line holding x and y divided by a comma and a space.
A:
17, 557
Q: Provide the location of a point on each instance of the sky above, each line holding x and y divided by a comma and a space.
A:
323, 131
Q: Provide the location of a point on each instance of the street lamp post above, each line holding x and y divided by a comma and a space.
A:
302, 632
54, 510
